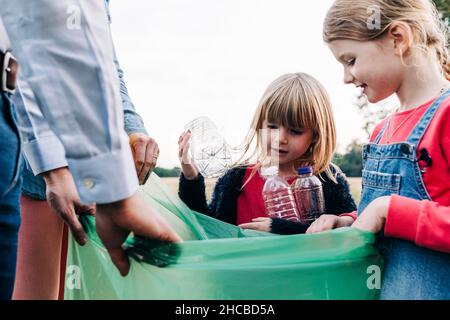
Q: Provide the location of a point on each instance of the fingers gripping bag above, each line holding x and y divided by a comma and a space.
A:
221, 261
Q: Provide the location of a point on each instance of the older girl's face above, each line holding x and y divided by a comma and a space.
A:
292, 143
371, 66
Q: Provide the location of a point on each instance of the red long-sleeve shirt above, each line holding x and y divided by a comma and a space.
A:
424, 222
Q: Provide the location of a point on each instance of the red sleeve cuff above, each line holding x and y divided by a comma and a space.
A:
402, 218
350, 214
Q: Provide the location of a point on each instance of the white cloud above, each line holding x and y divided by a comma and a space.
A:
184, 59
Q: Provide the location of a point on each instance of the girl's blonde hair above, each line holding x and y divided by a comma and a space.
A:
295, 100
353, 20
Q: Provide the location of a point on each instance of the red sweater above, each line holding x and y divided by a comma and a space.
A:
250, 203
424, 222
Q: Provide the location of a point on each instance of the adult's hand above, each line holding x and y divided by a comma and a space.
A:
114, 221
62, 196
145, 154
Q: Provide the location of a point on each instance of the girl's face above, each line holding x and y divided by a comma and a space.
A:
292, 144
370, 65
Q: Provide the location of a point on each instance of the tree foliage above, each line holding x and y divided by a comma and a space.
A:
444, 8
351, 161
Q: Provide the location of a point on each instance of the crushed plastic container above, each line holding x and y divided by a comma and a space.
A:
210, 152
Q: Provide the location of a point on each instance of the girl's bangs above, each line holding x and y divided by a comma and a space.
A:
291, 112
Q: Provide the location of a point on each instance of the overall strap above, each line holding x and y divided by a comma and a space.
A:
416, 134
380, 134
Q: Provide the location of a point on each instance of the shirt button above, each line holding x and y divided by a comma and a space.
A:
405, 148
88, 183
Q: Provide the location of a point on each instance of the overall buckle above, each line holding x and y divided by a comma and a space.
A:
9, 71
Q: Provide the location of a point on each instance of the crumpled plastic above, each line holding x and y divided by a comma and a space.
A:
221, 261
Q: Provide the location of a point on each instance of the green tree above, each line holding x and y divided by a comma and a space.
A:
444, 8
351, 161
372, 113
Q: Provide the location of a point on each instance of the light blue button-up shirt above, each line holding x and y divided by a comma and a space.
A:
4, 40
66, 56
42, 149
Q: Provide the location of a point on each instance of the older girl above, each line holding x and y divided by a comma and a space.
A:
400, 47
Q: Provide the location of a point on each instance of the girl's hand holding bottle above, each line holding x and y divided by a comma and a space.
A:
329, 221
259, 224
188, 169
372, 219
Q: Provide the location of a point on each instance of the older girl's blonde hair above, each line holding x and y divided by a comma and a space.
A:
295, 100
350, 20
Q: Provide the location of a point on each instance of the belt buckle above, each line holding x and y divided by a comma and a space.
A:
9, 69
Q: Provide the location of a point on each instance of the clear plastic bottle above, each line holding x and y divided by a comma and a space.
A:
278, 197
308, 195
210, 152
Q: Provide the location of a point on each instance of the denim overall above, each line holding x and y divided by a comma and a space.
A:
410, 271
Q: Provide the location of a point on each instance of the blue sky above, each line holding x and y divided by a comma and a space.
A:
184, 59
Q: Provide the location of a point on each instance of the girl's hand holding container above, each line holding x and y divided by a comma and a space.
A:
259, 224
145, 154
188, 169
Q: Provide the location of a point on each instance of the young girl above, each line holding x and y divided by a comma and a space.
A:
298, 106
406, 176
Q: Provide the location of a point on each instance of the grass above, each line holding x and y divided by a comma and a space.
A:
355, 186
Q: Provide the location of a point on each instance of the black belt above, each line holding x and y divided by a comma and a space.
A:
9, 69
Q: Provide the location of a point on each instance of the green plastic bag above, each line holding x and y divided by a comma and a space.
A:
221, 261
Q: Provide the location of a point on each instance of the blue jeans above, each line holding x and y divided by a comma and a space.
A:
10, 164
32, 186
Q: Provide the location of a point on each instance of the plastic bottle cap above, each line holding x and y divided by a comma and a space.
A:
305, 170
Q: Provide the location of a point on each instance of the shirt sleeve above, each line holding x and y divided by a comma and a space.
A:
353, 215
42, 148
423, 222
287, 227
65, 51
133, 121
193, 193
5, 44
